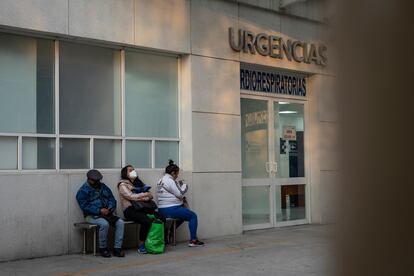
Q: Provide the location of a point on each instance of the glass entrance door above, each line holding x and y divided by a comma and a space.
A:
273, 163
288, 177
256, 199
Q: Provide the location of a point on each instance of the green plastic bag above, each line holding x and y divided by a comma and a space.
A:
155, 239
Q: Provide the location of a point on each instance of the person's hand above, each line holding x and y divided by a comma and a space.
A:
104, 211
147, 194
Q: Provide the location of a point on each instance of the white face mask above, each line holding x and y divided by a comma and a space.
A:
133, 175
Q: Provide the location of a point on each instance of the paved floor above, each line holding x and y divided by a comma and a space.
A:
299, 250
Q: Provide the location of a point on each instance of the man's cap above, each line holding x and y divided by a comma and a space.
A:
94, 175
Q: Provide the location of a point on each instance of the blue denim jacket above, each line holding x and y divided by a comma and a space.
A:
92, 200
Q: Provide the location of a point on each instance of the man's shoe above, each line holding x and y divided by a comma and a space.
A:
142, 250
118, 252
195, 243
105, 252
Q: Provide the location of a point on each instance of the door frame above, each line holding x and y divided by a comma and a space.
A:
272, 181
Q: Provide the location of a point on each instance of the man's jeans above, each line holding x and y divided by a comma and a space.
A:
103, 231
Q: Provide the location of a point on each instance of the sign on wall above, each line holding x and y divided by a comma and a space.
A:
269, 80
255, 118
278, 47
289, 133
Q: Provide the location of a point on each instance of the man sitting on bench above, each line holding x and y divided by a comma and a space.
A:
98, 205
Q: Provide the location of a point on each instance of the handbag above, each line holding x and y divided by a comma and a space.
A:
145, 206
185, 203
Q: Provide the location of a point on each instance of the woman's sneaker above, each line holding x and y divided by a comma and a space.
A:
195, 243
142, 250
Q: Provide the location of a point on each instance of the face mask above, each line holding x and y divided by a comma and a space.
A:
133, 175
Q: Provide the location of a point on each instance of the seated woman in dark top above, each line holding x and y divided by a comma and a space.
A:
132, 189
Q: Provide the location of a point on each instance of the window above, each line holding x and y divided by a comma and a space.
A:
290, 202
165, 150
8, 149
151, 95
26, 98
38, 153
151, 108
256, 205
26, 85
289, 139
74, 153
89, 90
89, 131
138, 153
107, 153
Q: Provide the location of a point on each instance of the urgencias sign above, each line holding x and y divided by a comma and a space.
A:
277, 47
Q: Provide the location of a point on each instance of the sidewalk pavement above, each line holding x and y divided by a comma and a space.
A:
298, 250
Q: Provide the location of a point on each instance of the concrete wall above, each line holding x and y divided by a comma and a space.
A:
316, 10
41, 207
323, 118
160, 24
37, 212
34, 215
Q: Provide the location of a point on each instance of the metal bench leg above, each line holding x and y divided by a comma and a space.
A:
137, 232
94, 240
174, 232
84, 241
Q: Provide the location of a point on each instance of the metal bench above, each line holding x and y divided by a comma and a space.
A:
85, 226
